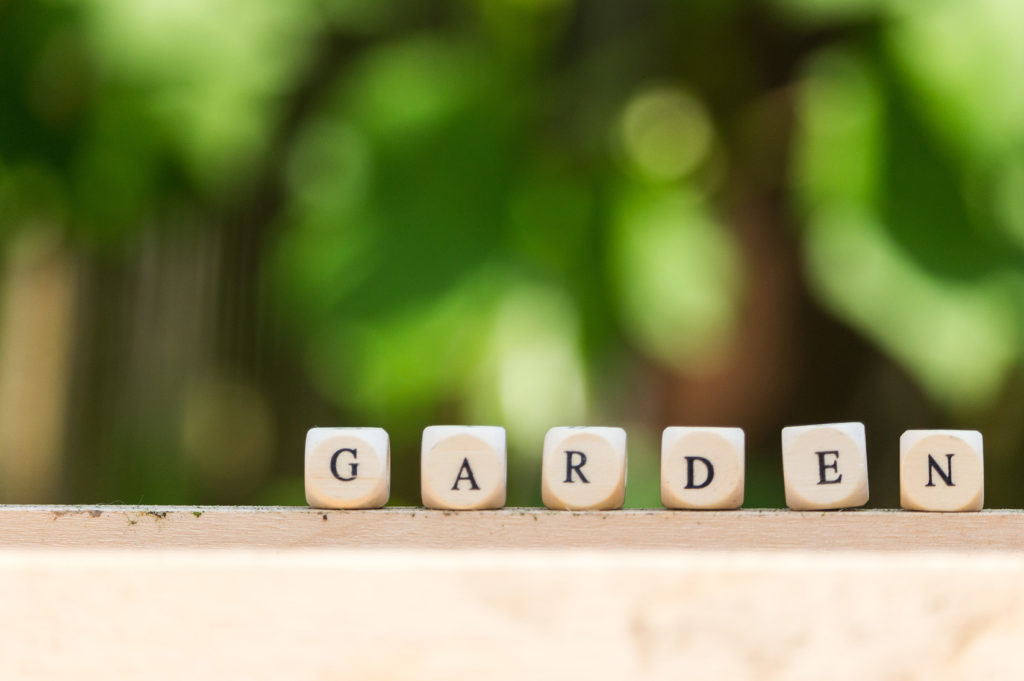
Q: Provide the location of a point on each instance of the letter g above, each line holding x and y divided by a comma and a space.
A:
353, 466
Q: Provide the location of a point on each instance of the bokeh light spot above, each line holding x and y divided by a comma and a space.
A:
665, 133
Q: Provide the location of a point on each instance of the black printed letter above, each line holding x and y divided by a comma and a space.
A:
352, 467
464, 468
947, 477
570, 467
822, 467
690, 484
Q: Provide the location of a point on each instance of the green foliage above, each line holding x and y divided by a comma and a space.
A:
905, 237
530, 213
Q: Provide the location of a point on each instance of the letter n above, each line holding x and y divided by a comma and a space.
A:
947, 475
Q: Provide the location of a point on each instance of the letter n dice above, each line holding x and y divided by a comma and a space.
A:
347, 467
584, 468
942, 470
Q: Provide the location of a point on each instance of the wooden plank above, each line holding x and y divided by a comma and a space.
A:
280, 527
515, 614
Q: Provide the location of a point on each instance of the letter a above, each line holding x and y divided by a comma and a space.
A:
464, 468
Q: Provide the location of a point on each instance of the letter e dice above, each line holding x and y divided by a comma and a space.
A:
825, 466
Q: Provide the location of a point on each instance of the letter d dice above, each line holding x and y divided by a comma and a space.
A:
702, 467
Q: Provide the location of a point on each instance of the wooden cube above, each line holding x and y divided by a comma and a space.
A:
825, 466
942, 470
702, 467
463, 467
584, 468
347, 467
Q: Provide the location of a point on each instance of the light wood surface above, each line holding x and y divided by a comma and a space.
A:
133, 592
584, 614
406, 528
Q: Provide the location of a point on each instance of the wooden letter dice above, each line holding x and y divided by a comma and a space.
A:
942, 470
825, 466
702, 467
584, 468
463, 467
347, 467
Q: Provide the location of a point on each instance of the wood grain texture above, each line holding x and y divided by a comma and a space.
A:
404, 528
518, 614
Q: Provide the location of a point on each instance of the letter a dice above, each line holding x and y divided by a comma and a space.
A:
347, 467
463, 467
584, 468
702, 467
825, 466
942, 470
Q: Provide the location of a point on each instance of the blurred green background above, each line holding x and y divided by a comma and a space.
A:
225, 221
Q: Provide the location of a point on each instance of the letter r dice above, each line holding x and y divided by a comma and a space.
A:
825, 466
584, 468
347, 467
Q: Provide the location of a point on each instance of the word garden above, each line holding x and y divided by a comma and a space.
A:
584, 468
